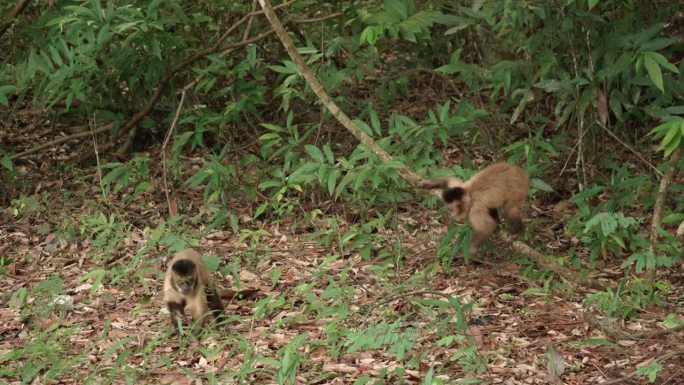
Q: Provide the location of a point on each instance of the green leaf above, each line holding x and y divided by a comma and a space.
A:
592, 3
671, 134
364, 127
662, 61
211, 262
260, 210
6, 162
361, 177
375, 123
314, 152
329, 154
674, 145
4, 90
332, 180
673, 218
654, 72
344, 182
541, 185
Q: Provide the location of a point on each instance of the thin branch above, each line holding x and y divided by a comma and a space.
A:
315, 19
563, 272
660, 205
605, 328
97, 157
572, 151
627, 146
662, 358
19, 8
172, 129
63, 139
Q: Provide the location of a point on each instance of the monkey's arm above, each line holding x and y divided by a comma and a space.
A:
434, 183
214, 302
176, 311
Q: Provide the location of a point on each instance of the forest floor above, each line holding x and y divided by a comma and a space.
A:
300, 310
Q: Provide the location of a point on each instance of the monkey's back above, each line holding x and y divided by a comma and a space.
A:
498, 184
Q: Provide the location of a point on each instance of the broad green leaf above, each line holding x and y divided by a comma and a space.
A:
662, 61
329, 154
671, 134
211, 262
6, 162
541, 185
592, 3
332, 180
314, 152
672, 218
674, 145
654, 72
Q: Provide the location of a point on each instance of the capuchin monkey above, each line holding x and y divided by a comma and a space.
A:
187, 286
500, 185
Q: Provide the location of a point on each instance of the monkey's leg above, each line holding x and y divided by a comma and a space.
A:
214, 302
483, 224
513, 215
197, 305
176, 310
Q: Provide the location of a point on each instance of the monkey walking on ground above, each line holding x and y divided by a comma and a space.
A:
187, 285
500, 185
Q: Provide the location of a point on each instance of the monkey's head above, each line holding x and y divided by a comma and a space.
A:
185, 278
456, 197
454, 193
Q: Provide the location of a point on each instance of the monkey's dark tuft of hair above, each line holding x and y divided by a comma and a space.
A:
452, 194
183, 267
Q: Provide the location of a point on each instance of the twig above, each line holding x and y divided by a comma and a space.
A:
627, 146
672, 376
248, 28
573, 151
606, 329
315, 19
97, 157
662, 358
21, 5
411, 294
658, 332
62, 140
660, 204
172, 128
617, 334
563, 272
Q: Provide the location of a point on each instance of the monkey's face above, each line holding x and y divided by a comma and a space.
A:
457, 199
458, 208
185, 285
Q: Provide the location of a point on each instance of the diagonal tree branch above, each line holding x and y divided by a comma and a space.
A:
317, 88
4, 26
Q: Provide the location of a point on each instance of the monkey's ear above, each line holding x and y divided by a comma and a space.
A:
453, 194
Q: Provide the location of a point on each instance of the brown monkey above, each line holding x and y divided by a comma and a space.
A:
500, 185
187, 285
